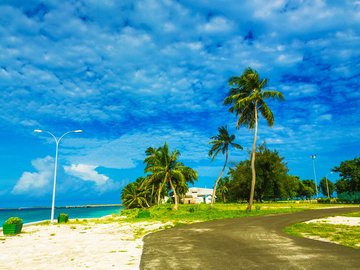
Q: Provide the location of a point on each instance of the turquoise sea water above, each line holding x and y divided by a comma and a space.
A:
38, 214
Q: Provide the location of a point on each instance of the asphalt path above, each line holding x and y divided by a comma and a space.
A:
247, 243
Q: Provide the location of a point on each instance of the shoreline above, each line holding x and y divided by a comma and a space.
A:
60, 207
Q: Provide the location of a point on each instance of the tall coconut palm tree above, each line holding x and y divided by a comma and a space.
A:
165, 166
155, 181
221, 142
247, 98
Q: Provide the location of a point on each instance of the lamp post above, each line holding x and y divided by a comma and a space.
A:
57, 141
327, 184
313, 159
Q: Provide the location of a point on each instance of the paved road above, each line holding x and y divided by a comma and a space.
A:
246, 243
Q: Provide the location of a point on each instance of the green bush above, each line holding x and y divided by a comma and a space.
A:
63, 218
14, 220
324, 200
144, 214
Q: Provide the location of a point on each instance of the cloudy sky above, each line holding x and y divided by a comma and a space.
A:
134, 74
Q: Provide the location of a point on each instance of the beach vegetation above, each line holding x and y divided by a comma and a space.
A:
63, 218
12, 225
221, 143
247, 99
166, 176
14, 220
144, 214
166, 172
188, 213
341, 234
136, 194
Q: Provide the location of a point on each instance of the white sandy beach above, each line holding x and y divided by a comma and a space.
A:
73, 246
115, 245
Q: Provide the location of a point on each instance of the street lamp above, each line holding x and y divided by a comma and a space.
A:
313, 159
327, 184
57, 141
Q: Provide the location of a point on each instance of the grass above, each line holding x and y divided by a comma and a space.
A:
354, 214
201, 212
341, 234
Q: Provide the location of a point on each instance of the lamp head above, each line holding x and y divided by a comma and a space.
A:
78, 131
38, 130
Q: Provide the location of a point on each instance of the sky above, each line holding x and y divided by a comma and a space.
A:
135, 74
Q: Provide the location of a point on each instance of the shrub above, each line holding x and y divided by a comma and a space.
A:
144, 214
14, 220
323, 200
63, 218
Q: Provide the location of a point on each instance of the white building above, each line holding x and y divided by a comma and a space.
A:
198, 195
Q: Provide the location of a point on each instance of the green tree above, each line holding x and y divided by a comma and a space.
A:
341, 186
350, 172
247, 98
240, 179
271, 176
155, 180
136, 194
221, 142
166, 169
307, 189
223, 188
291, 186
325, 186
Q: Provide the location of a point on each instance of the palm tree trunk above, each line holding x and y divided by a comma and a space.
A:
218, 179
159, 195
253, 153
175, 195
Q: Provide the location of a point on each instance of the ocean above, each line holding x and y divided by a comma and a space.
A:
39, 214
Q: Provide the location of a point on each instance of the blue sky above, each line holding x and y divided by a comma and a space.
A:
134, 74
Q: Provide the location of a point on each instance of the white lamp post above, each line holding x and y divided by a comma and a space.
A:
57, 141
327, 184
313, 159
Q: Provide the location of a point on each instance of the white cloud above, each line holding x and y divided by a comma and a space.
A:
86, 173
36, 183
217, 25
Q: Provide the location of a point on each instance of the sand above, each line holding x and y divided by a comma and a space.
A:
93, 245
338, 220
72, 246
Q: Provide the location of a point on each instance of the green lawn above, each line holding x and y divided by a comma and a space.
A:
202, 212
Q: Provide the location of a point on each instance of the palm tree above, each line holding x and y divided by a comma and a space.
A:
221, 142
154, 180
223, 187
247, 98
165, 166
136, 194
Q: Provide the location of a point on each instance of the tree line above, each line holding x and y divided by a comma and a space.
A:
166, 175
